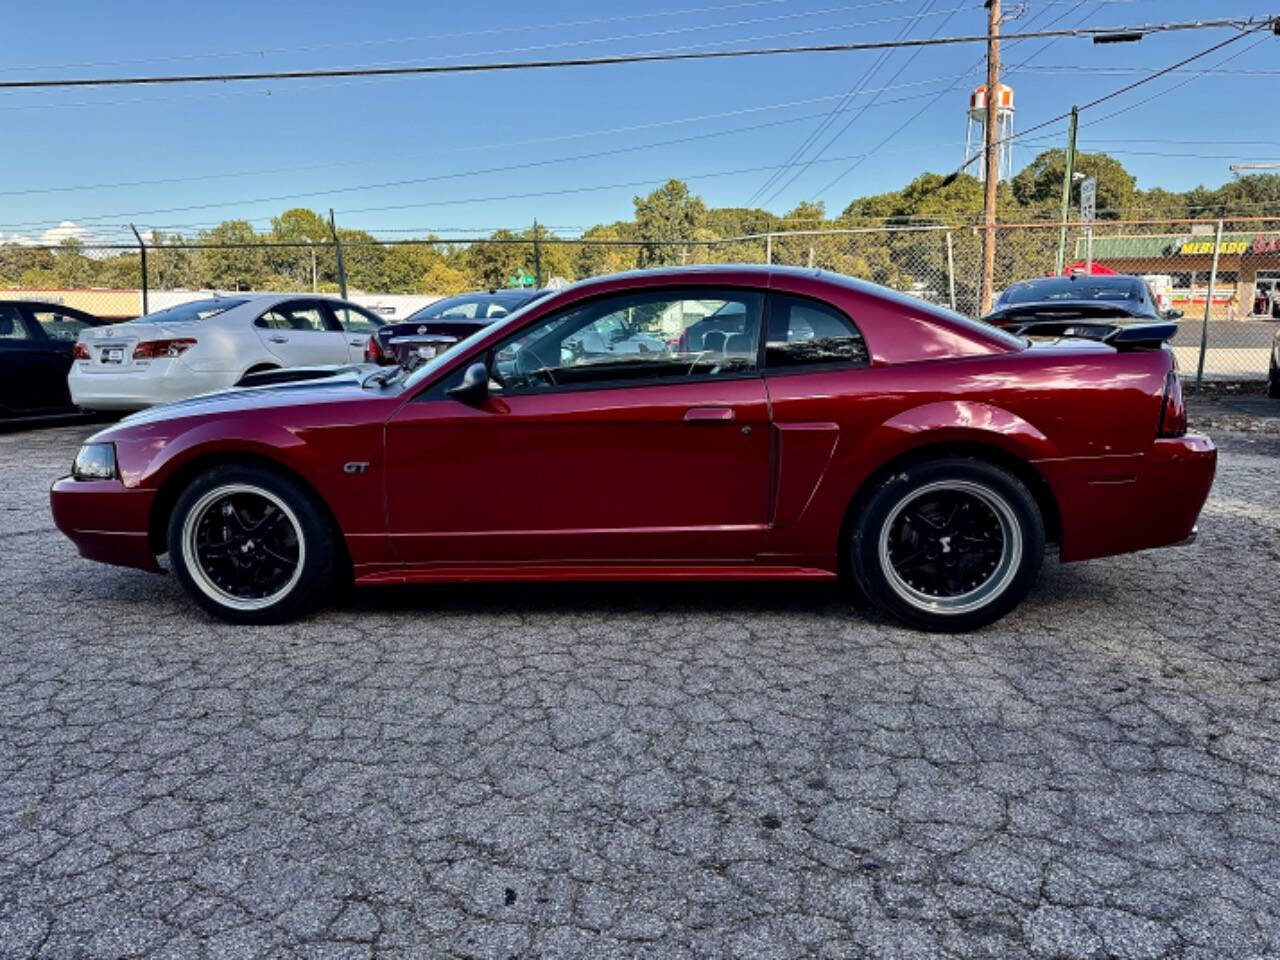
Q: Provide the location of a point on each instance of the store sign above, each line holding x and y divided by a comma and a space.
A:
1202, 246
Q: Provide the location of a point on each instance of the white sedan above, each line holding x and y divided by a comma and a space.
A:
207, 345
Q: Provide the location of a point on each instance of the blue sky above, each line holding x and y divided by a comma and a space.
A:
249, 150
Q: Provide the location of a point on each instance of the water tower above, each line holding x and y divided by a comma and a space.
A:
975, 139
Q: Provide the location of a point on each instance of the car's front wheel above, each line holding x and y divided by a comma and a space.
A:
251, 545
949, 545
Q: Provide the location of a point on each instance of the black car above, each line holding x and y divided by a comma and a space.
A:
37, 346
1078, 305
439, 325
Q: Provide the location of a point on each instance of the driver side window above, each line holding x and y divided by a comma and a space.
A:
635, 337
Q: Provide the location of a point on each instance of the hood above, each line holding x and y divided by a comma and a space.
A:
343, 386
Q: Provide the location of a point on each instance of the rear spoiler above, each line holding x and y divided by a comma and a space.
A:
1122, 336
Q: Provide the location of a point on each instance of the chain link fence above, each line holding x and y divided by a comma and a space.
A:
1222, 276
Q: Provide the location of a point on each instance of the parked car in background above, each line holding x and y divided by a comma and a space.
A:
821, 424
439, 325
210, 344
1082, 304
37, 343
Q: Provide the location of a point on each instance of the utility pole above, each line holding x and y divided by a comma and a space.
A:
990, 157
337, 246
1067, 176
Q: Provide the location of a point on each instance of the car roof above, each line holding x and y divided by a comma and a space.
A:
1101, 279
46, 304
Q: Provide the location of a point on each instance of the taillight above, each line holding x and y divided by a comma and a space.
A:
155, 349
82, 352
1173, 411
372, 353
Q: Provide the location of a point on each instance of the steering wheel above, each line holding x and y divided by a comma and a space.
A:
694, 366
543, 369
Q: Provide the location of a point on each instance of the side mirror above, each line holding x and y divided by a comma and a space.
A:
474, 387
1173, 314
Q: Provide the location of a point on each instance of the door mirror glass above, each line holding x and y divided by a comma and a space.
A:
474, 387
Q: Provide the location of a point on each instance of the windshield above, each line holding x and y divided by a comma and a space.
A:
195, 310
440, 360
1068, 288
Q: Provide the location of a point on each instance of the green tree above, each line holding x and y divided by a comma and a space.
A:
229, 267
665, 221
1039, 184
71, 267
493, 262
17, 259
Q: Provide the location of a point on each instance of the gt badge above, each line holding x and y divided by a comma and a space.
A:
355, 466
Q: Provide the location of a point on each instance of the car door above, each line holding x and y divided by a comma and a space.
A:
581, 455
301, 333
58, 329
358, 325
34, 377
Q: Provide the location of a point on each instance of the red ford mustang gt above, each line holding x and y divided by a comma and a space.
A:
718, 423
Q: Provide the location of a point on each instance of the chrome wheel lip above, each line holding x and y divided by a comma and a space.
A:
986, 592
191, 555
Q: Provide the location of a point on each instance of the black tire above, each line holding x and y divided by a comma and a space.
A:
1273, 379
902, 553
215, 556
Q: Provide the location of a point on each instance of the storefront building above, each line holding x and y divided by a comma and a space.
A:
1248, 267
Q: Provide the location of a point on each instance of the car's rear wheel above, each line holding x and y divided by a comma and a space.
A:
1273, 378
949, 544
251, 545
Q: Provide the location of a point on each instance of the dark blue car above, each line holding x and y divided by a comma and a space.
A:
439, 325
1057, 305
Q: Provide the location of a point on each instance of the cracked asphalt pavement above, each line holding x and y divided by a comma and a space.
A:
643, 771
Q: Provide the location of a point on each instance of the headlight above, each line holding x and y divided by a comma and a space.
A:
95, 461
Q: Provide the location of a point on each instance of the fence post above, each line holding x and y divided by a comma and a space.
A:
1208, 307
768, 247
337, 246
142, 247
537, 256
951, 271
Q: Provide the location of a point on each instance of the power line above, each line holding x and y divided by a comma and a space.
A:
1121, 91
929, 106
506, 144
1249, 23
813, 135
850, 122
522, 27
1176, 86
572, 190
505, 168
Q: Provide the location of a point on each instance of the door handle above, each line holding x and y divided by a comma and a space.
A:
278, 339
356, 343
708, 415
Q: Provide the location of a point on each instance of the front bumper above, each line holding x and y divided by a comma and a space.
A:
106, 520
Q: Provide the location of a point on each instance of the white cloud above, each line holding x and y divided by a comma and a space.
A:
67, 229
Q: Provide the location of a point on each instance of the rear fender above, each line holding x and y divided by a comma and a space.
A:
954, 424
957, 421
